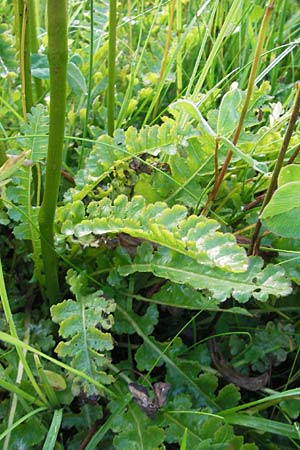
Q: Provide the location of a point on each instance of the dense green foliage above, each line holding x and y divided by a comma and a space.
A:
174, 252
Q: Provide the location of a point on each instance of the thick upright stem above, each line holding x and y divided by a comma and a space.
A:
111, 66
58, 59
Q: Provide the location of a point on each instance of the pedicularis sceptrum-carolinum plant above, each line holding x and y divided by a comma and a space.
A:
150, 236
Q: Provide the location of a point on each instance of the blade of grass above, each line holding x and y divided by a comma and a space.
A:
111, 67
263, 425
258, 51
184, 439
53, 430
13, 331
19, 344
164, 357
20, 421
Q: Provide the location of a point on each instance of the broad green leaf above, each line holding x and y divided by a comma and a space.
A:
208, 383
228, 397
146, 356
282, 213
229, 111
291, 407
83, 325
28, 434
190, 108
108, 152
193, 236
56, 380
257, 282
147, 438
147, 321
39, 66
289, 174
184, 296
11, 165
75, 79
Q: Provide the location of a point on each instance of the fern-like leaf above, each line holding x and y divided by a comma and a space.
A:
108, 151
193, 236
257, 282
84, 324
20, 191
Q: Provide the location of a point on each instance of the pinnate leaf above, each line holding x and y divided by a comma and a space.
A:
257, 282
193, 236
83, 323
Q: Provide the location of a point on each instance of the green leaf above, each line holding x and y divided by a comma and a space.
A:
282, 213
147, 321
11, 165
28, 435
257, 282
83, 324
39, 66
37, 128
146, 356
140, 438
20, 191
208, 383
184, 296
75, 79
289, 174
190, 108
228, 397
108, 152
229, 111
193, 236
291, 407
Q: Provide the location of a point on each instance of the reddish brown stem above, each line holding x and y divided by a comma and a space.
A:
254, 247
258, 51
294, 155
254, 203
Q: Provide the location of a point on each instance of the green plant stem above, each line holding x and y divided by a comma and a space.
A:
166, 51
25, 69
111, 66
19, 377
258, 52
34, 43
254, 246
179, 54
164, 357
13, 332
129, 26
58, 58
90, 81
